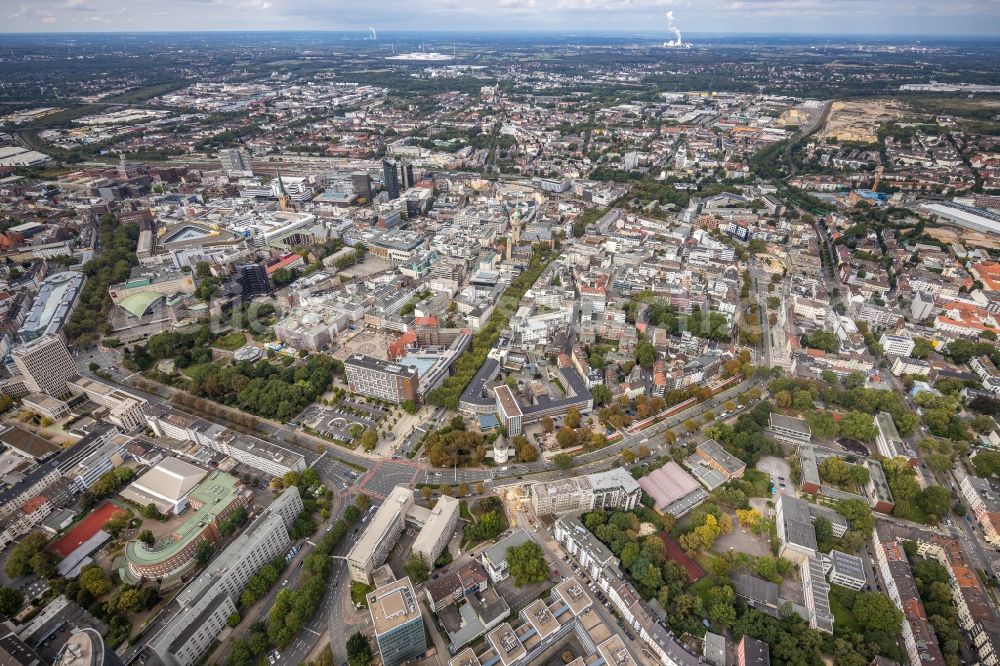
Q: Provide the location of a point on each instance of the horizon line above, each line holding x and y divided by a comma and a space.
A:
510, 31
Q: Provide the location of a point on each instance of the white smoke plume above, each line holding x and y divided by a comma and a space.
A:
674, 29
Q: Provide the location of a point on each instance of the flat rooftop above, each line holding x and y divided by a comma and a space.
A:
387, 514
799, 529
255, 446
617, 477
507, 400
393, 605
848, 565
437, 521
506, 644
674, 490
498, 551
172, 478
887, 426
27, 443
540, 618
877, 482
52, 306
709, 477
798, 426
379, 365
571, 591
573, 484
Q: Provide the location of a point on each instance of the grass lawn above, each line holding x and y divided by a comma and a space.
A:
647, 515
231, 341
463, 511
760, 481
703, 558
359, 593
701, 587
186, 372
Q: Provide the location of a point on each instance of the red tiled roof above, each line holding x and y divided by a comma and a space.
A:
34, 503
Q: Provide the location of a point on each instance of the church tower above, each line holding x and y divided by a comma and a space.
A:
284, 201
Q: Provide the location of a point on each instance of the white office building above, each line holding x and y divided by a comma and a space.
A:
258, 453
494, 558
897, 345
125, 410
614, 489
398, 512
890, 444
203, 607
379, 538
438, 528
846, 570
44, 365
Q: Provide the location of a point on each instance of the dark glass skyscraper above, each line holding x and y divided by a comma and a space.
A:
362, 185
390, 178
407, 170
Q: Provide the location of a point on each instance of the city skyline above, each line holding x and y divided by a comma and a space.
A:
843, 17
589, 331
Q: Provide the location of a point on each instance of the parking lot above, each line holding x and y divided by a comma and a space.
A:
519, 597
362, 408
336, 423
780, 472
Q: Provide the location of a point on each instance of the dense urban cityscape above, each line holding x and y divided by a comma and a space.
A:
371, 348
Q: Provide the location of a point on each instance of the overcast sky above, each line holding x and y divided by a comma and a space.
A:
925, 17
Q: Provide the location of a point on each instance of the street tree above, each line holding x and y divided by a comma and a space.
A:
359, 650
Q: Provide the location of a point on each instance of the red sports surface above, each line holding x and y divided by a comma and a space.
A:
83, 530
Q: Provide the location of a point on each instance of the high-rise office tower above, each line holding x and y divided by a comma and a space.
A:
45, 364
362, 184
399, 624
407, 170
235, 160
390, 178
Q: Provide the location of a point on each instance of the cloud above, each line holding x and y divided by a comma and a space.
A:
690, 16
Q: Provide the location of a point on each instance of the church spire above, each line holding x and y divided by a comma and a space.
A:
284, 200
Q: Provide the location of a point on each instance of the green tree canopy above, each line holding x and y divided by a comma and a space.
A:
875, 612
10, 601
416, 569
359, 650
527, 563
